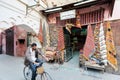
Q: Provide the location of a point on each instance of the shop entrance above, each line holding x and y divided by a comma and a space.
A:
78, 37
74, 42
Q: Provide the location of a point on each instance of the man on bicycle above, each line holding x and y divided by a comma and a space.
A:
32, 56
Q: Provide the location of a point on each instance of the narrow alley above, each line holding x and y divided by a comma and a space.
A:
10, 66
78, 39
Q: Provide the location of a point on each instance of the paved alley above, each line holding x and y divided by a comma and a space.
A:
61, 30
11, 68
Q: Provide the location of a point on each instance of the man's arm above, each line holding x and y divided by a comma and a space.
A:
43, 56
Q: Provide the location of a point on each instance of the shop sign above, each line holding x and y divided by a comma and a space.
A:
67, 15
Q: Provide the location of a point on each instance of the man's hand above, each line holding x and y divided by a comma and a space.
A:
36, 63
45, 57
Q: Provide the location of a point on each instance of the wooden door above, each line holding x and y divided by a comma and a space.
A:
9, 42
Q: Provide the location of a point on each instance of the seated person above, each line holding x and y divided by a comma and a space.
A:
32, 56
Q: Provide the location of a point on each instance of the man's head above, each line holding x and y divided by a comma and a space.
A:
34, 46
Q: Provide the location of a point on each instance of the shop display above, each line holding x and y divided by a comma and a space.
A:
98, 55
102, 45
53, 35
89, 45
111, 52
50, 53
61, 43
96, 37
40, 34
104, 52
44, 35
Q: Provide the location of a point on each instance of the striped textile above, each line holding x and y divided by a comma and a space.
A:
61, 44
111, 51
89, 44
102, 43
40, 34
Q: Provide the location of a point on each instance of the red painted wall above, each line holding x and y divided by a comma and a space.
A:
20, 43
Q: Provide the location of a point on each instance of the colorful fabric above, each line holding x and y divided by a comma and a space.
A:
44, 36
102, 42
40, 35
89, 45
111, 52
96, 38
61, 45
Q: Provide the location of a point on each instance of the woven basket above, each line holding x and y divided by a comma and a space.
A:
40, 70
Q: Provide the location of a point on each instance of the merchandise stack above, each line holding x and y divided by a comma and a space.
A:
111, 51
102, 42
96, 38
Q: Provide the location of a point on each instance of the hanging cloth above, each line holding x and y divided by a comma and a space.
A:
89, 44
40, 35
61, 44
111, 51
96, 38
102, 43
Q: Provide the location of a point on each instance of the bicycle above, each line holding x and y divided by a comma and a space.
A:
41, 74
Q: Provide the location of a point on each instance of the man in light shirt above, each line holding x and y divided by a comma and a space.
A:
32, 56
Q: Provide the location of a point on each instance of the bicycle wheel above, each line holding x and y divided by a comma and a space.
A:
27, 73
39, 77
46, 76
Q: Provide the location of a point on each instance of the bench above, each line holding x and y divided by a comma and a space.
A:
94, 66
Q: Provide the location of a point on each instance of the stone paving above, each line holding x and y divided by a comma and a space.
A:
11, 68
